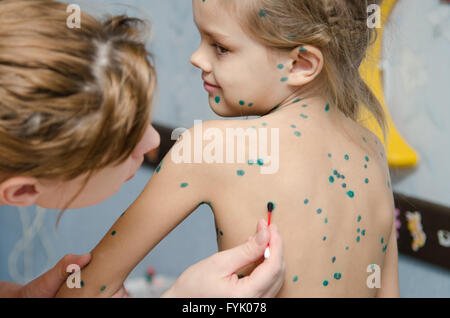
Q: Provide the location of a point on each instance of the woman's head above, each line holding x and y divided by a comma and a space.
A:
74, 104
322, 41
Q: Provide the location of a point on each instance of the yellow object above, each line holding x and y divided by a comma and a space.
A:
399, 153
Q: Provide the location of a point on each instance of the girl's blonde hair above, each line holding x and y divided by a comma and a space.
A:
72, 101
337, 27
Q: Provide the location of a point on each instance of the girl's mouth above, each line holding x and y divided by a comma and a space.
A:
209, 87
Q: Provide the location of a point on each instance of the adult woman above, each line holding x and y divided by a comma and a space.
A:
75, 125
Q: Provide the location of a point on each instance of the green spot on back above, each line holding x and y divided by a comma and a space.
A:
346, 157
327, 107
366, 158
331, 179
333, 259
103, 288
184, 185
319, 211
358, 239
325, 283
297, 133
280, 66
346, 248
260, 162
306, 201
359, 218
293, 126
296, 100
241, 102
302, 49
240, 173
304, 116
295, 278
344, 185
382, 240
366, 180
363, 232
351, 194
337, 276
324, 238
250, 105
326, 220
284, 79
329, 155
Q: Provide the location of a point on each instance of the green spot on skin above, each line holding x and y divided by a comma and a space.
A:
184, 185
357, 239
284, 79
327, 107
363, 232
262, 13
325, 283
113, 233
306, 201
304, 105
358, 230
335, 172
351, 194
297, 133
280, 66
329, 155
158, 168
326, 220
296, 100
293, 126
217, 99
346, 157
303, 116
364, 139
240, 173
324, 238
260, 162
82, 283
319, 211
366, 158
221, 233
344, 185
333, 259
384, 248
241, 102
346, 248
103, 288
251, 162
365, 166
295, 278
366, 180
302, 49
331, 179
337, 276
264, 124
359, 218
240, 276
382, 240
250, 105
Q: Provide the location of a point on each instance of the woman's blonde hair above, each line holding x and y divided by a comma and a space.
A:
72, 101
337, 27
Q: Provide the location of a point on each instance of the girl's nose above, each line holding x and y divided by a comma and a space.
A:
199, 59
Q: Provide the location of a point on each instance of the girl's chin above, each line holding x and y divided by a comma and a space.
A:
224, 111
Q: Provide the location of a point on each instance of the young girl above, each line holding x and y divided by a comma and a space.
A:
326, 182
75, 125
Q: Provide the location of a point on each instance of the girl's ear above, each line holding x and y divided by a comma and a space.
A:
19, 191
307, 63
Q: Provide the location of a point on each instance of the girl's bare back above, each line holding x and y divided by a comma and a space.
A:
332, 196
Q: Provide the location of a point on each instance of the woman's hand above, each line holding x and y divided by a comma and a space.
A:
46, 285
215, 276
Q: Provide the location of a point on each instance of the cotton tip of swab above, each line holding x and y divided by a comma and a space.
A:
267, 253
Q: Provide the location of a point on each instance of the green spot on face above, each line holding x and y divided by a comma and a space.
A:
297, 133
284, 79
351, 194
295, 278
217, 99
337, 276
262, 13
319, 211
366, 180
103, 288
333, 259
260, 162
241, 102
306, 201
280, 66
325, 283
113, 233
240, 173
184, 185
331, 179
327, 107
358, 239
346, 157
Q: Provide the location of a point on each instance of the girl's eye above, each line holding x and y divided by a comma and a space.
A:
220, 50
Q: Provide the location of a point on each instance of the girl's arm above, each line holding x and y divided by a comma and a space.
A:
173, 192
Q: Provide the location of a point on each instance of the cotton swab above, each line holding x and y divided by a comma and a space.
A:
270, 207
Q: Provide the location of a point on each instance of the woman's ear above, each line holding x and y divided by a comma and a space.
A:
19, 191
307, 63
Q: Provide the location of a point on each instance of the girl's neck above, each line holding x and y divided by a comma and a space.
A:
310, 103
